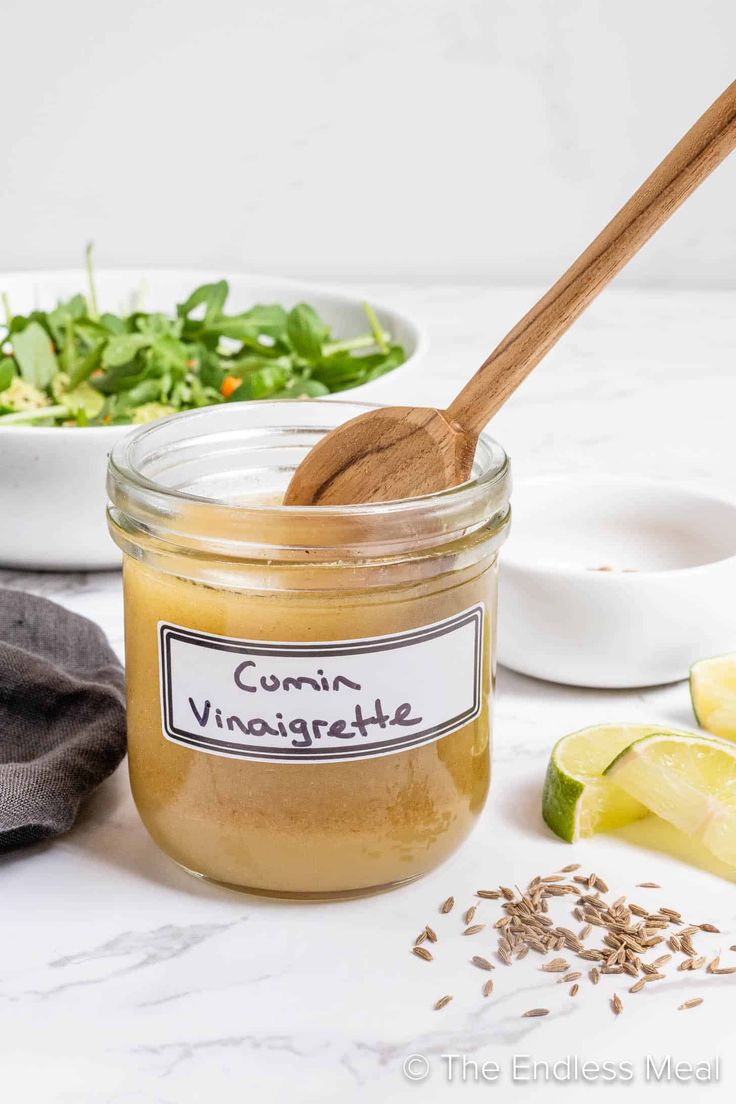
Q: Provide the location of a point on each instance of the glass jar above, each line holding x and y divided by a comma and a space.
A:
309, 688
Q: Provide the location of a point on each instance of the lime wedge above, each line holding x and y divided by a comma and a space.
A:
577, 801
689, 781
713, 691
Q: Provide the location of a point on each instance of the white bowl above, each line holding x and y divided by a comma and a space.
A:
615, 581
52, 479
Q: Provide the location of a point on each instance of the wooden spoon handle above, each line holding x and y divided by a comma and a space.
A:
694, 157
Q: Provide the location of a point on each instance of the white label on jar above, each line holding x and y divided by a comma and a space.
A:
323, 701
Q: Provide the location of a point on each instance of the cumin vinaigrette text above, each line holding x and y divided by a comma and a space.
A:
359, 721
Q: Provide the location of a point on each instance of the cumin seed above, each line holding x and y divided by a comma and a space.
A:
536, 1012
692, 1003
617, 1004
481, 963
422, 952
447, 905
488, 988
442, 1002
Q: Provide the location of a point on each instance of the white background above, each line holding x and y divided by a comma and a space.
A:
464, 138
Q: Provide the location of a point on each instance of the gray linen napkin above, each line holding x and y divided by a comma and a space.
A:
62, 716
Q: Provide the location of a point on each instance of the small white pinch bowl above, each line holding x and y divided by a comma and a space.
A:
616, 581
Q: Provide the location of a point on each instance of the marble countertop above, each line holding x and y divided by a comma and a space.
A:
125, 981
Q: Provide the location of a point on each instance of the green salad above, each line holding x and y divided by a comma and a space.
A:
77, 366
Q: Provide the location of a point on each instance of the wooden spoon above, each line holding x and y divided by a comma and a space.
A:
403, 451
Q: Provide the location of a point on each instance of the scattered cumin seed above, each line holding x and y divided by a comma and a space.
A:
696, 963
585, 931
536, 1012
672, 913
469, 914
481, 963
725, 970
522, 953
692, 1003
732, 947
447, 905
617, 1004
473, 929
556, 966
570, 977
442, 1002
713, 965
421, 938
488, 894
422, 952
648, 885
599, 884
661, 960
569, 869
710, 928
638, 986
431, 934
488, 988
507, 893
549, 878
595, 975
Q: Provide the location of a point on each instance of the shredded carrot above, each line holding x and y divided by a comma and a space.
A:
229, 384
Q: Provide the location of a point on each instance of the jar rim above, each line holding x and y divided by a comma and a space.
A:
144, 498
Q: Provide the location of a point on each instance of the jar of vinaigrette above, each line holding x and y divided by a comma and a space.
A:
309, 688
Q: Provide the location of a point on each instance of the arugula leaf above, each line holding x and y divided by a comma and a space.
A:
35, 356
85, 367
212, 295
343, 370
112, 324
7, 372
303, 388
306, 331
122, 348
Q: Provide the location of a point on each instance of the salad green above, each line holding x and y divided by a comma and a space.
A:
75, 365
